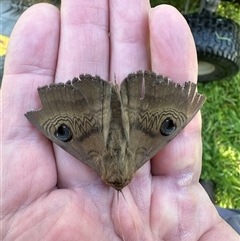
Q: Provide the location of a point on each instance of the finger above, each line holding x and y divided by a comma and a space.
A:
84, 41
129, 37
30, 62
84, 48
173, 51
32, 50
173, 54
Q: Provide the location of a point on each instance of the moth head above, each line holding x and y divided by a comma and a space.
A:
118, 183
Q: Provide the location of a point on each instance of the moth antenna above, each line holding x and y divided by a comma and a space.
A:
123, 196
119, 214
135, 226
143, 88
115, 79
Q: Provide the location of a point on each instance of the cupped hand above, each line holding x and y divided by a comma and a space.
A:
48, 194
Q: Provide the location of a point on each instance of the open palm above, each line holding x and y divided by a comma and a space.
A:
48, 194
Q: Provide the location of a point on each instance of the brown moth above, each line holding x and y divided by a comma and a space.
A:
115, 131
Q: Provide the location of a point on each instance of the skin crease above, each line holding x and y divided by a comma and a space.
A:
48, 194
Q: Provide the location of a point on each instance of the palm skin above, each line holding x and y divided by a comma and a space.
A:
48, 194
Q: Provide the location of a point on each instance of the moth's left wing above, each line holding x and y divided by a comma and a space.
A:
76, 116
158, 109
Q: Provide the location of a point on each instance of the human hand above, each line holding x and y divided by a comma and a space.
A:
48, 194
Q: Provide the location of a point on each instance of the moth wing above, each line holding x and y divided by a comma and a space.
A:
81, 105
156, 106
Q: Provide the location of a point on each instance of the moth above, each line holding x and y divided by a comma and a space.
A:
115, 130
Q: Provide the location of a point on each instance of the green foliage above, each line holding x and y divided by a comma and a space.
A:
230, 11
180, 5
226, 9
221, 139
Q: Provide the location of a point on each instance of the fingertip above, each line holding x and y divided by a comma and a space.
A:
173, 52
34, 41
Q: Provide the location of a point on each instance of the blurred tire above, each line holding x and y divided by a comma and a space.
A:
217, 41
